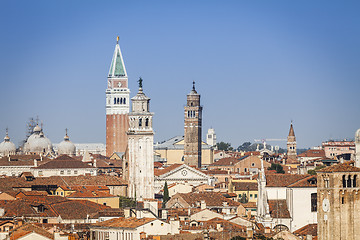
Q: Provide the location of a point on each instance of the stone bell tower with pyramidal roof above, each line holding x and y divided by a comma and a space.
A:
117, 104
291, 144
192, 129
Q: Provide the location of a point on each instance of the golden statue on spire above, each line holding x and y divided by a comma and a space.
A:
117, 39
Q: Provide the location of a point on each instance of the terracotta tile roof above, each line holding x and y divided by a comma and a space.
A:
158, 164
213, 224
244, 186
252, 153
249, 205
310, 181
215, 172
310, 229
10, 183
85, 188
341, 167
64, 161
159, 172
29, 228
122, 222
22, 160
225, 162
212, 199
110, 212
278, 209
31, 193
108, 163
282, 180
25, 208
77, 209
313, 153
182, 211
90, 194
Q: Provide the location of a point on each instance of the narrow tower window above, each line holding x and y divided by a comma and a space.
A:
140, 122
121, 100
124, 101
114, 100
344, 181
349, 181
313, 202
354, 181
146, 122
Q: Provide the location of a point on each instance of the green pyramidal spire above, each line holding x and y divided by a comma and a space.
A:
117, 68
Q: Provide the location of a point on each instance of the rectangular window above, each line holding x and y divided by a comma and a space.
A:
75, 172
62, 172
255, 195
313, 202
68, 172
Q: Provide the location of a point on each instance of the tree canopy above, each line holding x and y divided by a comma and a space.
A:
277, 167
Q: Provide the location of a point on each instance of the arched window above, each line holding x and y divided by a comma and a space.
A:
124, 102
114, 100
118, 100
349, 181
354, 181
140, 122
146, 122
344, 181
121, 100
188, 113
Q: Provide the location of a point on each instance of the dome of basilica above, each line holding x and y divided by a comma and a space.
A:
7, 147
37, 142
66, 147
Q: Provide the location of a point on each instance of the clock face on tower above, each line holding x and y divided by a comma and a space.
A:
326, 205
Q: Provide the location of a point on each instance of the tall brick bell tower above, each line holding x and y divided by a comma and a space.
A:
117, 104
192, 129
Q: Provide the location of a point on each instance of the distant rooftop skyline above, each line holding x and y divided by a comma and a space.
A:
257, 65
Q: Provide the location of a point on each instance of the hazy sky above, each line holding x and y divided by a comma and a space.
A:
257, 65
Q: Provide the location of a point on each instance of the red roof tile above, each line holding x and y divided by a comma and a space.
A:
282, 180
159, 172
310, 229
341, 167
225, 162
278, 209
122, 222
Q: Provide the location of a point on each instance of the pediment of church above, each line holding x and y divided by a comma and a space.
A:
184, 172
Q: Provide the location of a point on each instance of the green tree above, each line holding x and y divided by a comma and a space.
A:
166, 194
245, 147
224, 146
277, 167
314, 171
126, 202
244, 198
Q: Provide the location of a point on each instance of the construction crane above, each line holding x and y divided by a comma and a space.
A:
264, 140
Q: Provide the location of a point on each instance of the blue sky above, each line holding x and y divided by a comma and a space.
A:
257, 65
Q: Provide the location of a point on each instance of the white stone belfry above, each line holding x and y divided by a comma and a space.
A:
140, 148
211, 137
263, 211
357, 148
